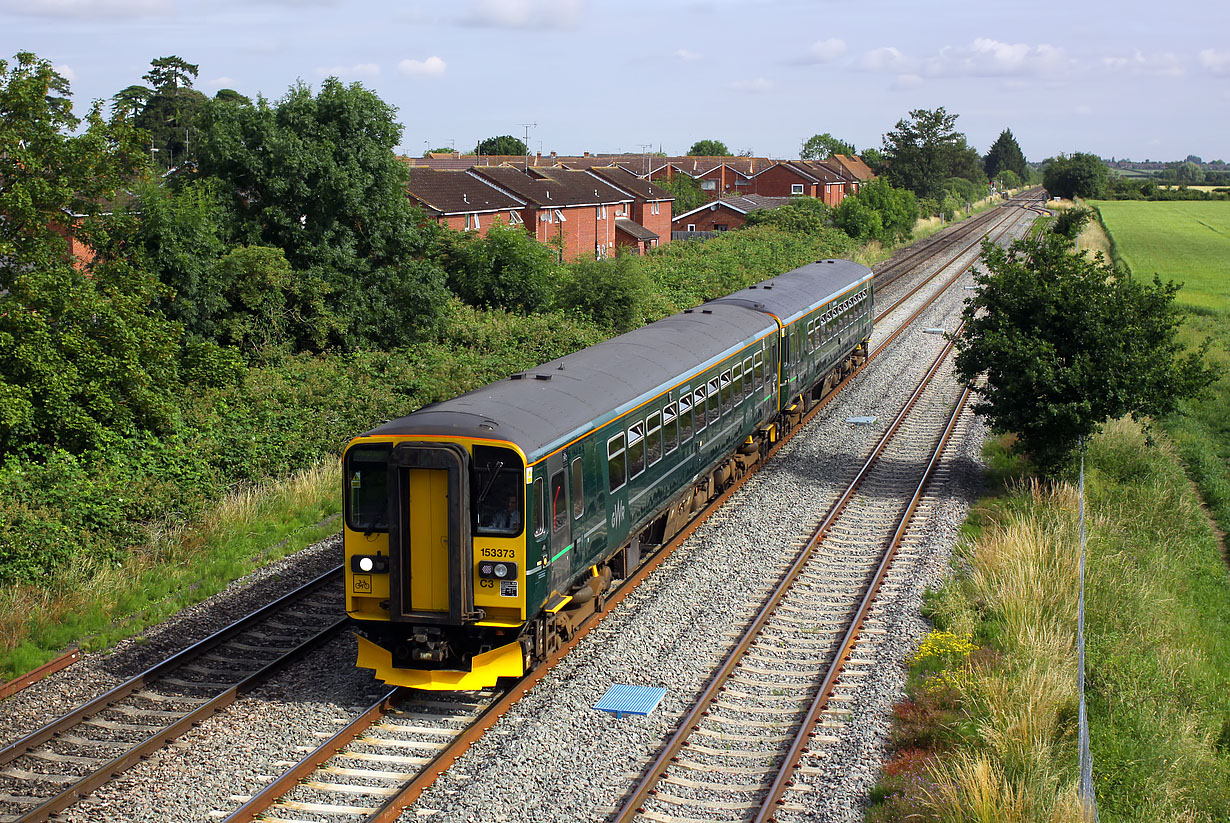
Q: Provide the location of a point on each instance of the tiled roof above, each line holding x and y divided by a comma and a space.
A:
836, 168
561, 188
857, 167
634, 229
743, 205
455, 192
629, 182
819, 171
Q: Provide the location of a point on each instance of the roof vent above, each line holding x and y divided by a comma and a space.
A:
753, 286
687, 311
767, 286
517, 377
706, 311
542, 377
548, 194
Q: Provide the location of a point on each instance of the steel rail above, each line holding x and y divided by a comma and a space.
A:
634, 805
807, 728
60, 661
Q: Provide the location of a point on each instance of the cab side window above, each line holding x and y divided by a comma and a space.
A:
540, 507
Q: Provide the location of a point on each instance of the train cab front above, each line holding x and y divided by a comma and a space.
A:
435, 560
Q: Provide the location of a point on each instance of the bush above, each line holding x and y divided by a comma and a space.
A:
804, 215
508, 269
613, 293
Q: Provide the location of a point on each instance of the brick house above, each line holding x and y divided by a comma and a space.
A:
571, 208
460, 201
649, 223
830, 185
726, 214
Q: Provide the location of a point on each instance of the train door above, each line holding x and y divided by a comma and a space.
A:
559, 522
430, 550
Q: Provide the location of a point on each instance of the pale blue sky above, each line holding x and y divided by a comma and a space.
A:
1123, 78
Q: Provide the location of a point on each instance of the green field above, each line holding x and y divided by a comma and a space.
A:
1184, 241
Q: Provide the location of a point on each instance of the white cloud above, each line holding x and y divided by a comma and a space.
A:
687, 56
431, 67
1164, 64
1215, 62
888, 58
66, 71
757, 86
905, 82
524, 14
87, 9
985, 57
826, 51
358, 70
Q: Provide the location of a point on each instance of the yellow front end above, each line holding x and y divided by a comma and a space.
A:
494, 609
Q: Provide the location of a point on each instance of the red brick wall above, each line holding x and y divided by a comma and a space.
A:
659, 223
777, 182
709, 219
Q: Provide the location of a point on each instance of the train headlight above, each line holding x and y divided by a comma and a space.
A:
369, 564
497, 571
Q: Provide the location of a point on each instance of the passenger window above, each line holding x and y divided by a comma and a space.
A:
725, 392
578, 488
748, 379
685, 417
616, 464
714, 411
540, 506
759, 361
699, 408
654, 424
559, 508
636, 449
737, 380
670, 429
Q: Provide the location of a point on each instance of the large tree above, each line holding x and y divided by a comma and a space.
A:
82, 356
1077, 175
1005, 155
504, 144
921, 150
709, 148
821, 146
1066, 343
316, 176
167, 111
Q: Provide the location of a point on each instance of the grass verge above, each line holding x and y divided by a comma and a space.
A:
988, 731
97, 604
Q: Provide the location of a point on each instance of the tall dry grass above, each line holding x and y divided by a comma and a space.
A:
93, 602
1023, 574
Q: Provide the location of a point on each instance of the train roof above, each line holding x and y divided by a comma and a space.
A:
790, 295
550, 405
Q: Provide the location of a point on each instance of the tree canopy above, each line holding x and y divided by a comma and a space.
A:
709, 148
1005, 155
925, 149
504, 144
362, 241
171, 73
1077, 175
821, 146
80, 356
1067, 343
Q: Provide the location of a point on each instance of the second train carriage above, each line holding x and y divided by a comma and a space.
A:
480, 532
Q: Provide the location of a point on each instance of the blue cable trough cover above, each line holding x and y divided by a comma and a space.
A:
622, 699
862, 421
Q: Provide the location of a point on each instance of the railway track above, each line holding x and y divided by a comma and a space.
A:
52, 768
736, 751
352, 775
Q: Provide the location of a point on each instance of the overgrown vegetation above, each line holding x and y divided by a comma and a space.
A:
992, 735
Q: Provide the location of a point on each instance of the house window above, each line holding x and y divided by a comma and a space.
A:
601, 211
471, 221
559, 215
708, 185
691, 227
720, 227
796, 188
514, 218
653, 207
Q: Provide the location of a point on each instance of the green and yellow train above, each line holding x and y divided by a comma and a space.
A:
480, 532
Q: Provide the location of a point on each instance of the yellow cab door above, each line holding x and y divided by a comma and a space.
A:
429, 534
